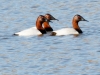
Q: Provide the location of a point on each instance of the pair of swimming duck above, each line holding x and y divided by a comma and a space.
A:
44, 20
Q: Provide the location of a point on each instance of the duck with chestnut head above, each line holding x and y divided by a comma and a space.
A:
42, 26
35, 30
75, 30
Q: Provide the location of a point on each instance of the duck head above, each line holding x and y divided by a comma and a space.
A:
42, 19
75, 21
47, 26
79, 18
50, 17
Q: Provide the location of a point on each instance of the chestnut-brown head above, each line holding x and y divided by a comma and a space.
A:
42, 19
75, 21
50, 17
47, 27
79, 18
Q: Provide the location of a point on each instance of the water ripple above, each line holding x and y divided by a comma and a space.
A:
47, 55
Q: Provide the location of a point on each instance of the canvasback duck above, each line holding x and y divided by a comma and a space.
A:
47, 27
75, 30
38, 29
35, 30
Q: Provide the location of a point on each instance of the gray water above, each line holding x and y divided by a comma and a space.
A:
49, 55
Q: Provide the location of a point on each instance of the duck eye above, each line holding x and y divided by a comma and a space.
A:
47, 16
42, 17
79, 17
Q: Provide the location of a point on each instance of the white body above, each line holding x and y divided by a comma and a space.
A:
66, 31
29, 32
33, 31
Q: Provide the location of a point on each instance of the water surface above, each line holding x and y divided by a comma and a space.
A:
47, 55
